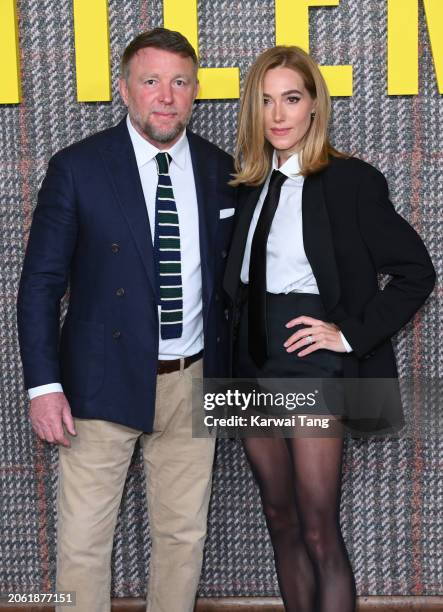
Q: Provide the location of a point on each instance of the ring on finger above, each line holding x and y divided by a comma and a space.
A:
310, 339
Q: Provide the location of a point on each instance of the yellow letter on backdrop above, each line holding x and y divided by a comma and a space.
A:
403, 44
434, 19
292, 28
9, 54
92, 50
215, 83
402, 47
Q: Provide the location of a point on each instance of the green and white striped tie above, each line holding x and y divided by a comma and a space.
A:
168, 253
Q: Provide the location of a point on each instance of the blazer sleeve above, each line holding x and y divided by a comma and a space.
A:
396, 249
45, 274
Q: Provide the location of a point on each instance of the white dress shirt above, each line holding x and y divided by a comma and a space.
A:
287, 267
183, 185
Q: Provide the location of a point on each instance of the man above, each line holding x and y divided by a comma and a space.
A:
137, 218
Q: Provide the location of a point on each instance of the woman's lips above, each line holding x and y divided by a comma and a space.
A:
280, 131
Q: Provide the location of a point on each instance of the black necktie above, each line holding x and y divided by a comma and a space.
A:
257, 331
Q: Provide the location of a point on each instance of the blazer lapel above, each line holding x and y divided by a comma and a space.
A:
245, 209
317, 241
119, 158
205, 185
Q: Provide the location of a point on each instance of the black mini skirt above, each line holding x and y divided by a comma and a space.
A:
322, 364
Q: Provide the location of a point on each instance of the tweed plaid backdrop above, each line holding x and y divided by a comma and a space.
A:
393, 488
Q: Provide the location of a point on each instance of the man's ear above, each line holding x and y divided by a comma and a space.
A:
123, 89
197, 89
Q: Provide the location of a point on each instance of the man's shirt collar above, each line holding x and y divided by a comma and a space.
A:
145, 151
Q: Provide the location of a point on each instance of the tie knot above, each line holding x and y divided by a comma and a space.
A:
277, 180
163, 160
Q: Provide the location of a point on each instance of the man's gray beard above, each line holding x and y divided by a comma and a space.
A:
152, 133
163, 137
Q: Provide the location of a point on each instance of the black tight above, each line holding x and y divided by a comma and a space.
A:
299, 481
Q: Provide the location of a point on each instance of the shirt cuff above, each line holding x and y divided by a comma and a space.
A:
348, 347
42, 389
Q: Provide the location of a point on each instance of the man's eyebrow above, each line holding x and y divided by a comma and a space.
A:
155, 75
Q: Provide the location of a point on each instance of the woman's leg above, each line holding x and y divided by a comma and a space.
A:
317, 473
271, 465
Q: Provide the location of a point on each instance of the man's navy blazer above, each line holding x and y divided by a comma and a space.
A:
91, 230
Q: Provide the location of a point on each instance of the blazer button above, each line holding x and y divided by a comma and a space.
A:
120, 291
218, 339
115, 247
224, 254
227, 314
116, 334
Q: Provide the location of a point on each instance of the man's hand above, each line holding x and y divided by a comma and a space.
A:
49, 413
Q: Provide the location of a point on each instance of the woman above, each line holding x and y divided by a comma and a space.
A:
312, 230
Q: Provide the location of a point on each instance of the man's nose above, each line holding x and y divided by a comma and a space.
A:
166, 93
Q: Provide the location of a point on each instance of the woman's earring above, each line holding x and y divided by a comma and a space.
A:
312, 114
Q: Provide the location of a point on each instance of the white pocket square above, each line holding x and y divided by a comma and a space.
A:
226, 212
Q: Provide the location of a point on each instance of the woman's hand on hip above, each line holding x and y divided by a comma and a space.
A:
316, 335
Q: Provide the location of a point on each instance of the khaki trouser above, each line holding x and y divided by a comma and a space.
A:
92, 475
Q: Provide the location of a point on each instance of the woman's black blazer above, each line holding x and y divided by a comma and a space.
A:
351, 232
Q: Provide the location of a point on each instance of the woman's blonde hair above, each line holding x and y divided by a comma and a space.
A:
253, 153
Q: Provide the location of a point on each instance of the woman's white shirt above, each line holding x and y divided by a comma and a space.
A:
287, 267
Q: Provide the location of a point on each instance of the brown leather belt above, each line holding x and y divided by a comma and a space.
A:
165, 366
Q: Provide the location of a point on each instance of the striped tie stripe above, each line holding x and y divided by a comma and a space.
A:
168, 253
